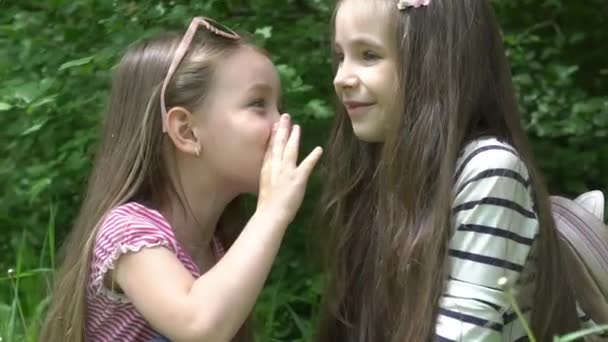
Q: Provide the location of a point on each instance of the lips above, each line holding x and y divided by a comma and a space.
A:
353, 105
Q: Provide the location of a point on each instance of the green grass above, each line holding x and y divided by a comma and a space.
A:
23, 288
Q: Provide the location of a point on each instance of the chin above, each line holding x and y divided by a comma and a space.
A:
367, 136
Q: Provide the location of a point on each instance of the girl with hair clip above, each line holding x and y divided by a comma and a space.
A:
433, 205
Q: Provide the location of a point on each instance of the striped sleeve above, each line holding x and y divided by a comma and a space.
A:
494, 227
126, 229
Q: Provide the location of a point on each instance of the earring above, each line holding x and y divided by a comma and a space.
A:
197, 152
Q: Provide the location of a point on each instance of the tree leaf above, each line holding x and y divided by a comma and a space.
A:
27, 92
265, 32
5, 106
76, 62
33, 129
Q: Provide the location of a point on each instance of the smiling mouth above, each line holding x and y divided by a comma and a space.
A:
357, 107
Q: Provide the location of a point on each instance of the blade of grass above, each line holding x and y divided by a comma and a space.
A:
27, 274
15, 280
300, 323
581, 333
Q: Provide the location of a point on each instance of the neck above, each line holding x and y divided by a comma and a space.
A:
194, 212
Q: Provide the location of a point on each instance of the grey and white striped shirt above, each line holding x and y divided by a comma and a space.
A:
494, 226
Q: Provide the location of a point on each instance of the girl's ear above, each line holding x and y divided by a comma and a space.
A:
182, 129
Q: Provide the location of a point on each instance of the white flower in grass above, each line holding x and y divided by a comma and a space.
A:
502, 281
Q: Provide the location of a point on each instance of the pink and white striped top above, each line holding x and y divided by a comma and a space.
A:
127, 228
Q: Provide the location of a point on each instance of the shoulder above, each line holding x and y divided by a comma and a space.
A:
133, 221
127, 228
489, 156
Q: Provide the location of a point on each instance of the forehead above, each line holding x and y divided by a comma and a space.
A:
357, 19
244, 67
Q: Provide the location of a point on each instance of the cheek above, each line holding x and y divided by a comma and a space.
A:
390, 81
384, 81
262, 133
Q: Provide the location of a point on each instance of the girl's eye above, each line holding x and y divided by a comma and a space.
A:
370, 56
259, 103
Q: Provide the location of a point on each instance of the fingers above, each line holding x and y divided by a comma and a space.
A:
290, 155
309, 163
269, 145
267, 161
280, 138
283, 150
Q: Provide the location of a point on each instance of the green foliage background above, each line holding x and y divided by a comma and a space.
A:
56, 58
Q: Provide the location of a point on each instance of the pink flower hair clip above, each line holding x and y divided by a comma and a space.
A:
405, 4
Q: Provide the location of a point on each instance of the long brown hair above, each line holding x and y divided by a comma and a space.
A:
133, 162
387, 206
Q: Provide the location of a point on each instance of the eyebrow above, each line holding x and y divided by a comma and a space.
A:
260, 86
362, 40
265, 87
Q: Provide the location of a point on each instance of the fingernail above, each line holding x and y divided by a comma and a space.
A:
285, 117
